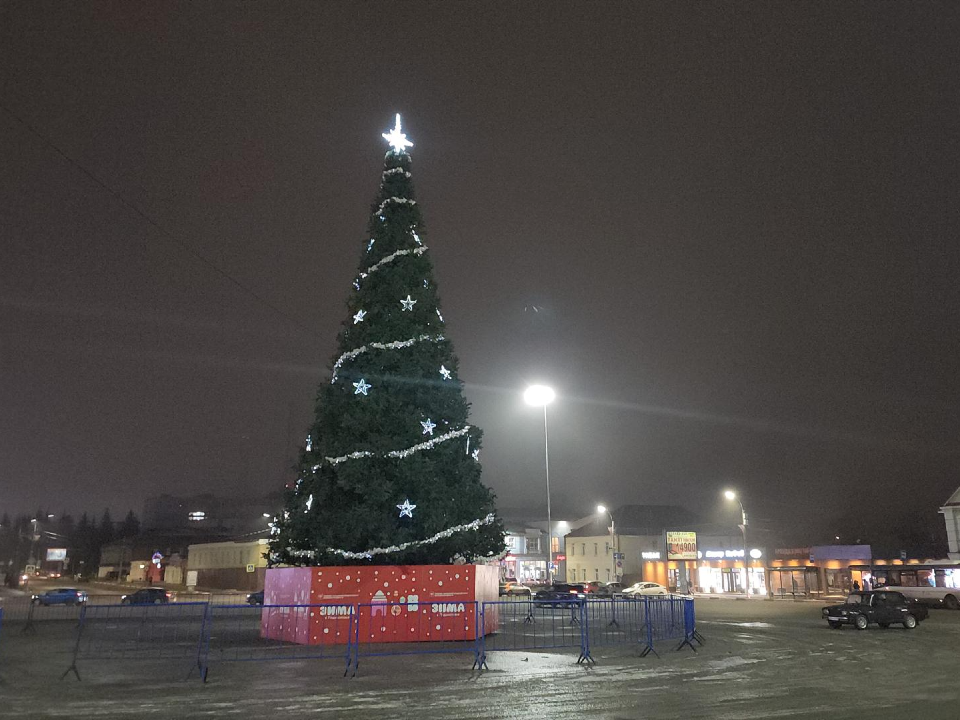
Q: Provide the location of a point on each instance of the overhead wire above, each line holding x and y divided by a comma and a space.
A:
147, 219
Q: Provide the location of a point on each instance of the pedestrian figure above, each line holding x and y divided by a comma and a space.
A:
856, 586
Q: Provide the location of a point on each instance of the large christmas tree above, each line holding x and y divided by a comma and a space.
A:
390, 472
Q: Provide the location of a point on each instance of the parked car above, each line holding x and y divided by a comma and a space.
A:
514, 587
147, 596
255, 598
60, 596
883, 607
645, 588
559, 595
610, 589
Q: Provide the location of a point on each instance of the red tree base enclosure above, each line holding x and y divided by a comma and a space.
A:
390, 603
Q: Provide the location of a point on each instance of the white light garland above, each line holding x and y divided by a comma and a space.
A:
369, 554
429, 443
395, 345
396, 170
400, 200
407, 452
389, 258
343, 458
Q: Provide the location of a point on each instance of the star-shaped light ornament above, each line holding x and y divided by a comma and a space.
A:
408, 304
398, 140
406, 510
476, 454
428, 426
358, 318
444, 373
361, 387
309, 503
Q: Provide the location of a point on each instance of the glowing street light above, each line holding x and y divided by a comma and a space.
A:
541, 396
731, 495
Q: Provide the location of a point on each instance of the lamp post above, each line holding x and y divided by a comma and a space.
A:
731, 495
613, 539
541, 396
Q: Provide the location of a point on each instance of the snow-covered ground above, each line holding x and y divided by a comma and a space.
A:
761, 660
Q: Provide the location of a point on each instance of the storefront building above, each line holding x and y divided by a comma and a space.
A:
817, 571
723, 570
526, 558
665, 545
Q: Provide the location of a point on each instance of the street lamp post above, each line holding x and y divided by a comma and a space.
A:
731, 495
613, 539
541, 396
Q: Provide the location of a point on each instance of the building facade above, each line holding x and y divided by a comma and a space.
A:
665, 544
227, 565
951, 518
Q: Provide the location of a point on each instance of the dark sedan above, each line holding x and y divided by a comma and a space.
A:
147, 596
559, 595
883, 607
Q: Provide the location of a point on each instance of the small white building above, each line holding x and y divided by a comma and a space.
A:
951, 517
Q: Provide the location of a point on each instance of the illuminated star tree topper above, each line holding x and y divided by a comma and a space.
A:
398, 140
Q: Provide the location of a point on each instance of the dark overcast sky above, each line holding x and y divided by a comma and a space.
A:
739, 224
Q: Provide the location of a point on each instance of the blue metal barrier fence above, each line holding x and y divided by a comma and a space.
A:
202, 634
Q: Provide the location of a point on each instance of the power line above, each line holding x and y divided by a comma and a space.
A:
146, 218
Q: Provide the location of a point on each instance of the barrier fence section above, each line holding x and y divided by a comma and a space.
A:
533, 625
138, 632
259, 633
416, 627
202, 634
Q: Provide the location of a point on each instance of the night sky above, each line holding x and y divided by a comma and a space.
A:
726, 233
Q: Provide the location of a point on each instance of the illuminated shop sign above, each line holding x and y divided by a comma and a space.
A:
650, 555
728, 554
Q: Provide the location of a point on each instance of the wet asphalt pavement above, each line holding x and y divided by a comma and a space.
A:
761, 659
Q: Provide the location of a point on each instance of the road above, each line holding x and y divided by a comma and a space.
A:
762, 659
16, 603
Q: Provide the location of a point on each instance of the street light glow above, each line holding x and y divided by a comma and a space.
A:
729, 494
601, 509
539, 395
